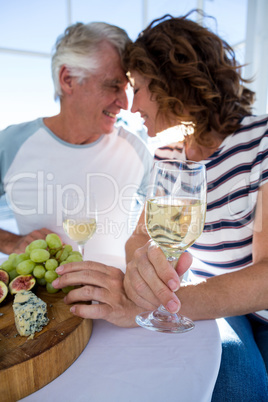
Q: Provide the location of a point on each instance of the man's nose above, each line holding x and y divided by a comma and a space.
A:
122, 100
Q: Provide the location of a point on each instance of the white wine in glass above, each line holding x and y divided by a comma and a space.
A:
79, 218
174, 216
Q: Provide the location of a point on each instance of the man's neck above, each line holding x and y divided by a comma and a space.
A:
69, 131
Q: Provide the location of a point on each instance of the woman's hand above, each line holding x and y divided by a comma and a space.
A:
101, 283
151, 280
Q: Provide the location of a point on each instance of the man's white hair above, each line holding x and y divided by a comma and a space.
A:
77, 49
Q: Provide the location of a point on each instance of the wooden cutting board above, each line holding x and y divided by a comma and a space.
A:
27, 365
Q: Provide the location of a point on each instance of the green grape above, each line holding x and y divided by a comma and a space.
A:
74, 258
19, 258
67, 289
39, 255
69, 248
27, 250
63, 263
75, 253
37, 244
53, 241
62, 254
50, 288
51, 264
7, 266
39, 271
50, 276
53, 251
25, 267
41, 281
12, 258
13, 274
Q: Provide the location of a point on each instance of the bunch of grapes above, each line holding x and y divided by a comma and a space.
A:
40, 259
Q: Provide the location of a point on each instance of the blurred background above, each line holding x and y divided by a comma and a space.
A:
29, 28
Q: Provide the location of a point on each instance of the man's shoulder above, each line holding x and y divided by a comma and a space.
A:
137, 143
131, 137
19, 132
122, 131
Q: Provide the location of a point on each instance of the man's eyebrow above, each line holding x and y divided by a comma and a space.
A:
114, 82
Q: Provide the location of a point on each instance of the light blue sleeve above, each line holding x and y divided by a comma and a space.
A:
146, 159
11, 140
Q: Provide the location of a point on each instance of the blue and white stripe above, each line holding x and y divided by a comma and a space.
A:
235, 173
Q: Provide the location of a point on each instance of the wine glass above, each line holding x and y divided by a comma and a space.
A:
79, 217
175, 212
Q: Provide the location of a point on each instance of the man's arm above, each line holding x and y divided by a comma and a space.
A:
13, 243
8, 241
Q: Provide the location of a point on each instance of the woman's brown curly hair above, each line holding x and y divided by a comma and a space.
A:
191, 69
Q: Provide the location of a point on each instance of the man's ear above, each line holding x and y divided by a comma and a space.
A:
66, 80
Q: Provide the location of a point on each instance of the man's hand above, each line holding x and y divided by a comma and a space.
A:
101, 283
151, 280
23, 241
12, 243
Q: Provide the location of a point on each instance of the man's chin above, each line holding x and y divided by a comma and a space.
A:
108, 130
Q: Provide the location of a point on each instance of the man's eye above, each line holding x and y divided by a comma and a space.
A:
135, 91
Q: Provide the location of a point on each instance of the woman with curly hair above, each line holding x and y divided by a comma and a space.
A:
183, 74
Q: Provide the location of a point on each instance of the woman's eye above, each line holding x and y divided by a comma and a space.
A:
135, 91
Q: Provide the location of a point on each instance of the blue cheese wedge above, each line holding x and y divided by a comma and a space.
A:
30, 313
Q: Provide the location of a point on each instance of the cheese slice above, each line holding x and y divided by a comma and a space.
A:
30, 313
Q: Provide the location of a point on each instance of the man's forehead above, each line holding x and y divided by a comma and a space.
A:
116, 81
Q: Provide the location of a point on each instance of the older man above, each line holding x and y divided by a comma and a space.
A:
80, 148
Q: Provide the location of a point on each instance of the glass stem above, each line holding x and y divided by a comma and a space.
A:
173, 261
81, 249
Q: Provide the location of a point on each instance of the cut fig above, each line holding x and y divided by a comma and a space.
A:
4, 276
21, 282
3, 291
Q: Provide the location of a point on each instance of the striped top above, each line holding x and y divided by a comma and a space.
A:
235, 172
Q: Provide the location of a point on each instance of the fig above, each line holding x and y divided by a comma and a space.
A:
22, 282
3, 291
4, 276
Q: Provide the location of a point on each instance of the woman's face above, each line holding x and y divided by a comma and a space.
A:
143, 102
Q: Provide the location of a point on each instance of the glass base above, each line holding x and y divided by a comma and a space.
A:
162, 321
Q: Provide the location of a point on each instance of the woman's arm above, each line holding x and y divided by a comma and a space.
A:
235, 293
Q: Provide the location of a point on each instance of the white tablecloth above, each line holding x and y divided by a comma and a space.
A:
137, 365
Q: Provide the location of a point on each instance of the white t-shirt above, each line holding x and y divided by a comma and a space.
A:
36, 167
235, 173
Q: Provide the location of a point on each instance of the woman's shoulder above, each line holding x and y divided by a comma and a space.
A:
253, 123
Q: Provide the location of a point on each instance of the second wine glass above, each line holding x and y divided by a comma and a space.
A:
79, 217
174, 216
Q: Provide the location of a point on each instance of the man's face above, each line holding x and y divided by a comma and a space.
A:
100, 97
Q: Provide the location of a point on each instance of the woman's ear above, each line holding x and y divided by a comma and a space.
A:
66, 80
